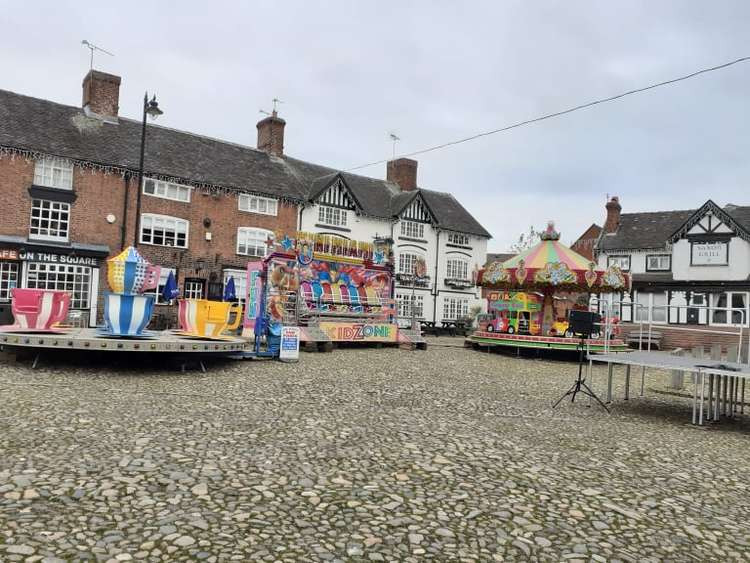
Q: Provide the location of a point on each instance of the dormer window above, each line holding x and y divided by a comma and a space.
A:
52, 172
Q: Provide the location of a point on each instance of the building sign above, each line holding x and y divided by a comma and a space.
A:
289, 349
252, 303
709, 254
360, 332
8, 254
29, 256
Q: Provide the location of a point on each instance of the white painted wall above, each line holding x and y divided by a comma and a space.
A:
366, 228
738, 268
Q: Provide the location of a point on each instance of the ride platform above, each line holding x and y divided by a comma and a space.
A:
492, 339
90, 340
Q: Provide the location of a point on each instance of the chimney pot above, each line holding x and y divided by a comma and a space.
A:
613, 215
101, 93
271, 134
403, 171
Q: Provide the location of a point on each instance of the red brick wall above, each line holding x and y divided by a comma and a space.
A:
100, 194
688, 339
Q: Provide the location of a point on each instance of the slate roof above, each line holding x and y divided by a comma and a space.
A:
497, 257
51, 128
643, 230
652, 230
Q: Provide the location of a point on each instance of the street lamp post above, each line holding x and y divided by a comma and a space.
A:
150, 109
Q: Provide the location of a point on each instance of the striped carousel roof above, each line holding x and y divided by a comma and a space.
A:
548, 251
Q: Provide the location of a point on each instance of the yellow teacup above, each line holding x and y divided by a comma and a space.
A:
208, 319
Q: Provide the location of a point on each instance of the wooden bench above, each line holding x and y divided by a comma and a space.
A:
634, 338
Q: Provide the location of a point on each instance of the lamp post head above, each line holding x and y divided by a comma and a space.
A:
152, 108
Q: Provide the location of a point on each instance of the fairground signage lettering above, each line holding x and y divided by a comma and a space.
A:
359, 332
59, 258
710, 254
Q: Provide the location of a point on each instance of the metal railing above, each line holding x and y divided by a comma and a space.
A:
605, 307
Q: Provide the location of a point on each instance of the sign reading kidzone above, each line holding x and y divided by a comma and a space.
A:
360, 332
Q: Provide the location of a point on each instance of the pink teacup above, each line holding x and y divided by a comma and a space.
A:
39, 309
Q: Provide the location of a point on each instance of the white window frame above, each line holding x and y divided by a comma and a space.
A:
9, 275
405, 302
462, 239
161, 190
162, 221
407, 261
240, 283
457, 268
194, 288
661, 257
412, 229
332, 216
455, 308
53, 172
157, 291
72, 278
258, 204
645, 308
244, 235
713, 300
48, 207
620, 259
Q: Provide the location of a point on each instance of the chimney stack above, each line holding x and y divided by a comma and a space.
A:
101, 94
613, 215
403, 171
271, 134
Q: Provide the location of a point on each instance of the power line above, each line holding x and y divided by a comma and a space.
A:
559, 113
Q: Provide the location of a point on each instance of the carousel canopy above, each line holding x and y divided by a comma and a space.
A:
550, 265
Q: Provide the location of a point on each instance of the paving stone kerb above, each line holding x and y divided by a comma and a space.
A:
360, 455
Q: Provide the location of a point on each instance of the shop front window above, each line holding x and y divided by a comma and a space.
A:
8, 279
76, 280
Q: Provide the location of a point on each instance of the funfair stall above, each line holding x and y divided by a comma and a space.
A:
533, 292
333, 289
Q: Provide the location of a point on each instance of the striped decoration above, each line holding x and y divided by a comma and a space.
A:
38, 309
127, 315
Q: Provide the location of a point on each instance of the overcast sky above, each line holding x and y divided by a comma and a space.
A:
349, 72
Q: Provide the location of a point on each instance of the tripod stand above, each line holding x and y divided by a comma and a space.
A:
580, 384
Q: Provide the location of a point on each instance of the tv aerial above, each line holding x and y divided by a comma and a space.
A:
273, 113
93, 48
395, 138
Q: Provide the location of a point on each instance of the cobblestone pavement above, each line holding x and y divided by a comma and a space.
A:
360, 455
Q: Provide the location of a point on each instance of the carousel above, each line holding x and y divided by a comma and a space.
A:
530, 296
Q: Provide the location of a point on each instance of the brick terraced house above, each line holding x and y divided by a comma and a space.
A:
69, 183
690, 269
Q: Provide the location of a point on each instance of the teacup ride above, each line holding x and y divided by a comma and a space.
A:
207, 320
127, 315
127, 311
38, 310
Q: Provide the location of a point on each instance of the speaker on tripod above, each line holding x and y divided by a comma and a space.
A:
583, 324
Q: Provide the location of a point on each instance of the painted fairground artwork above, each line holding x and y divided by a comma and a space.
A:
322, 280
534, 292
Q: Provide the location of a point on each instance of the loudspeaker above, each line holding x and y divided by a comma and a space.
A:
583, 323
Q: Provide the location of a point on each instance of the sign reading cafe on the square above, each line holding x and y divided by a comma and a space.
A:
710, 254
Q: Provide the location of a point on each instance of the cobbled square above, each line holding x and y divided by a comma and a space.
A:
361, 455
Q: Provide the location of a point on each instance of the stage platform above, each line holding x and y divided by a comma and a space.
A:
726, 380
89, 339
491, 339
